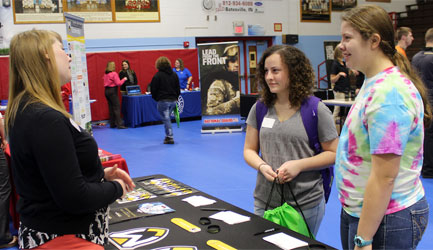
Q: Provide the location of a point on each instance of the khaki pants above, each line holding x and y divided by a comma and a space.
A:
336, 114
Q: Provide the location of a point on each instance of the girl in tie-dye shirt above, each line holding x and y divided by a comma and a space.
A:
379, 156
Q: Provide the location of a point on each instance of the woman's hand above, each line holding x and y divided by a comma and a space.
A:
342, 74
113, 173
288, 171
4, 144
267, 172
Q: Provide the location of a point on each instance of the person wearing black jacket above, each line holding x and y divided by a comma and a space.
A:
129, 74
339, 80
64, 191
165, 90
423, 62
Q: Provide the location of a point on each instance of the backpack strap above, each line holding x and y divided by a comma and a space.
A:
311, 121
261, 111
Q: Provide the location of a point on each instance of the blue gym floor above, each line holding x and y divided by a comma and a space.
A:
212, 163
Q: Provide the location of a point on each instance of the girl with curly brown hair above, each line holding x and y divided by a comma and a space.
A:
285, 79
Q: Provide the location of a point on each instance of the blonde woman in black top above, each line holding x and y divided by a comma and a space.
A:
64, 191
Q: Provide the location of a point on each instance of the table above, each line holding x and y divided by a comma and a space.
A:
121, 163
342, 103
239, 236
142, 108
339, 102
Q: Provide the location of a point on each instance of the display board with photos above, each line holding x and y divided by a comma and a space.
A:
315, 11
341, 5
94, 11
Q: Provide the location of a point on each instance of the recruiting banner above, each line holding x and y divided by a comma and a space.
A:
220, 95
79, 81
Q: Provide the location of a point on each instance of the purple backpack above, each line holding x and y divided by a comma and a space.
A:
310, 120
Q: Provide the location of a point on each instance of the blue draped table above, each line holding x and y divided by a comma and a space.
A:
142, 108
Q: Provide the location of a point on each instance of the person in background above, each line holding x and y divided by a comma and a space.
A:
66, 92
184, 75
232, 59
404, 39
340, 81
6, 239
286, 79
165, 91
64, 191
356, 80
423, 62
379, 156
111, 83
131, 77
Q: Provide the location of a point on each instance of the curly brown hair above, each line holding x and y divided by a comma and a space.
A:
301, 75
163, 63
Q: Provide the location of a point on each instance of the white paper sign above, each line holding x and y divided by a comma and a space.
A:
285, 241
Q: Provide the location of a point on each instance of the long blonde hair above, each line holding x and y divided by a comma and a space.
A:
371, 19
33, 73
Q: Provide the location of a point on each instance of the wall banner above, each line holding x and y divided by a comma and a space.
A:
220, 95
79, 82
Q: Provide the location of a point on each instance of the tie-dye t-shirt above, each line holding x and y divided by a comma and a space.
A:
387, 118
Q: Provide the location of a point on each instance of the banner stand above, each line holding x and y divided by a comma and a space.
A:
80, 81
219, 81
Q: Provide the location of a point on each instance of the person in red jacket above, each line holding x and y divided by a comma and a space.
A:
111, 83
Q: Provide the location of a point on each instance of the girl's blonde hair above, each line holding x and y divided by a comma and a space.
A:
33, 73
111, 66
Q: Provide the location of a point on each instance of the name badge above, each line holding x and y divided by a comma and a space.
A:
268, 122
75, 124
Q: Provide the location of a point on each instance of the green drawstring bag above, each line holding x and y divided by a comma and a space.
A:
176, 115
286, 216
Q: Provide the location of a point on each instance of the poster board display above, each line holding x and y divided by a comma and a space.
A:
220, 95
80, 81
95, 11
38, 11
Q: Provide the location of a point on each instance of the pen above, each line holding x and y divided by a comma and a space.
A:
213, 209
267, 231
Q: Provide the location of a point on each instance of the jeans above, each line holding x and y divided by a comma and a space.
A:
313, 216
5, 192
399, 230
165, 108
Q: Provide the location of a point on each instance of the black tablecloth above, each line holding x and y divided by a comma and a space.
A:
239, 236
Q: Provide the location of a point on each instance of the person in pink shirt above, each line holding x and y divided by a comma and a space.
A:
111, 83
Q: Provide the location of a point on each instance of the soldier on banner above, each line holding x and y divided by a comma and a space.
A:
222, 96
